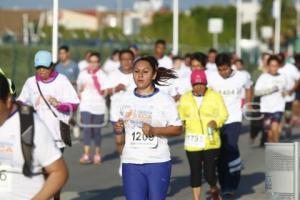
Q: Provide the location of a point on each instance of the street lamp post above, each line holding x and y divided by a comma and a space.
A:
298, 17
55, 31
238, 28
277, 16
175, 27
119, 13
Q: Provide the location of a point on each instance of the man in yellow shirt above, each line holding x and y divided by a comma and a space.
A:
203, 112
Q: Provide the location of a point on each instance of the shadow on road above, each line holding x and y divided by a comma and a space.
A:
178, 183
107, 194
176, 141
176, 160
247, 184
245, 129
111, 156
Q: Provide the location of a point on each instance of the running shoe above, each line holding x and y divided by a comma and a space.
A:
97, 159
215, 194
229, 193
85, 159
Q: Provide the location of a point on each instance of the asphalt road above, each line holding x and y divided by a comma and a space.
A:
103, 182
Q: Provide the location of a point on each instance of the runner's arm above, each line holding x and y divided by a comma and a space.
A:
265, 92
162, 131
57, 177
223, 113
249, 96
296, 86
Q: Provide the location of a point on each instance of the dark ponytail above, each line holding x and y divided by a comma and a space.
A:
4, 88
162, 74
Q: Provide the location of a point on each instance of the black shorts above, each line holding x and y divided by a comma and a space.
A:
288, 106
269, 118
206, 160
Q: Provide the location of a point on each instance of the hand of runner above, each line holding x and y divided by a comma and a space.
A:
147, 129
119, 126
285, 93
248, 107
120, 87
212, 124
290, 92
177, 97
53, 101
275, 89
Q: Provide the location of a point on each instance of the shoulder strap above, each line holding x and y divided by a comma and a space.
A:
27, 137
46, 102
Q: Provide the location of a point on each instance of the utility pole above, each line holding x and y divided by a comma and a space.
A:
55, 31
238, 33
175, 27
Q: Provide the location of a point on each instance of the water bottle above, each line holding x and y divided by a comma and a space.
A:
210, 132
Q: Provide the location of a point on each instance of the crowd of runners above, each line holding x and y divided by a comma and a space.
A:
147, 99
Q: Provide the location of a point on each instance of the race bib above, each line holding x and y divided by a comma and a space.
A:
136, 138
195, 141
5, 179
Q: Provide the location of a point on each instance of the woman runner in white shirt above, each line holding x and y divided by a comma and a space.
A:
93, 86
14, 184
148, 117
57, 91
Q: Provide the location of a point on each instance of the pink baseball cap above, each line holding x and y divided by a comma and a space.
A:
198, 77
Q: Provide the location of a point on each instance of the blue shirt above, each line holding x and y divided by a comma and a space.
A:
70, 70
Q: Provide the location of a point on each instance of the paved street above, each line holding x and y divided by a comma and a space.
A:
103, 182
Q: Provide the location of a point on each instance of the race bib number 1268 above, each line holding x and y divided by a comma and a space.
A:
137, 138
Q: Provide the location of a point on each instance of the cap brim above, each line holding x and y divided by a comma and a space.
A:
43, 66
199, 83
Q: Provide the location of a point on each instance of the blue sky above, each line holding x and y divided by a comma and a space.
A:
88, 4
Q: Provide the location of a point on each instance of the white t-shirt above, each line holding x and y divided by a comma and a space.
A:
61, 89
91, 101
198, 100
158, 110
273, 102
169, 87
117, 77
231, 90
165, 62
291, 74
248, 77
17, 186
83, 65
183, 72
211, 67
109, 66
183, 83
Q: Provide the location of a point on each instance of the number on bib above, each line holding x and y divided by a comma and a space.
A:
194, 141
5, 181
138, 139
